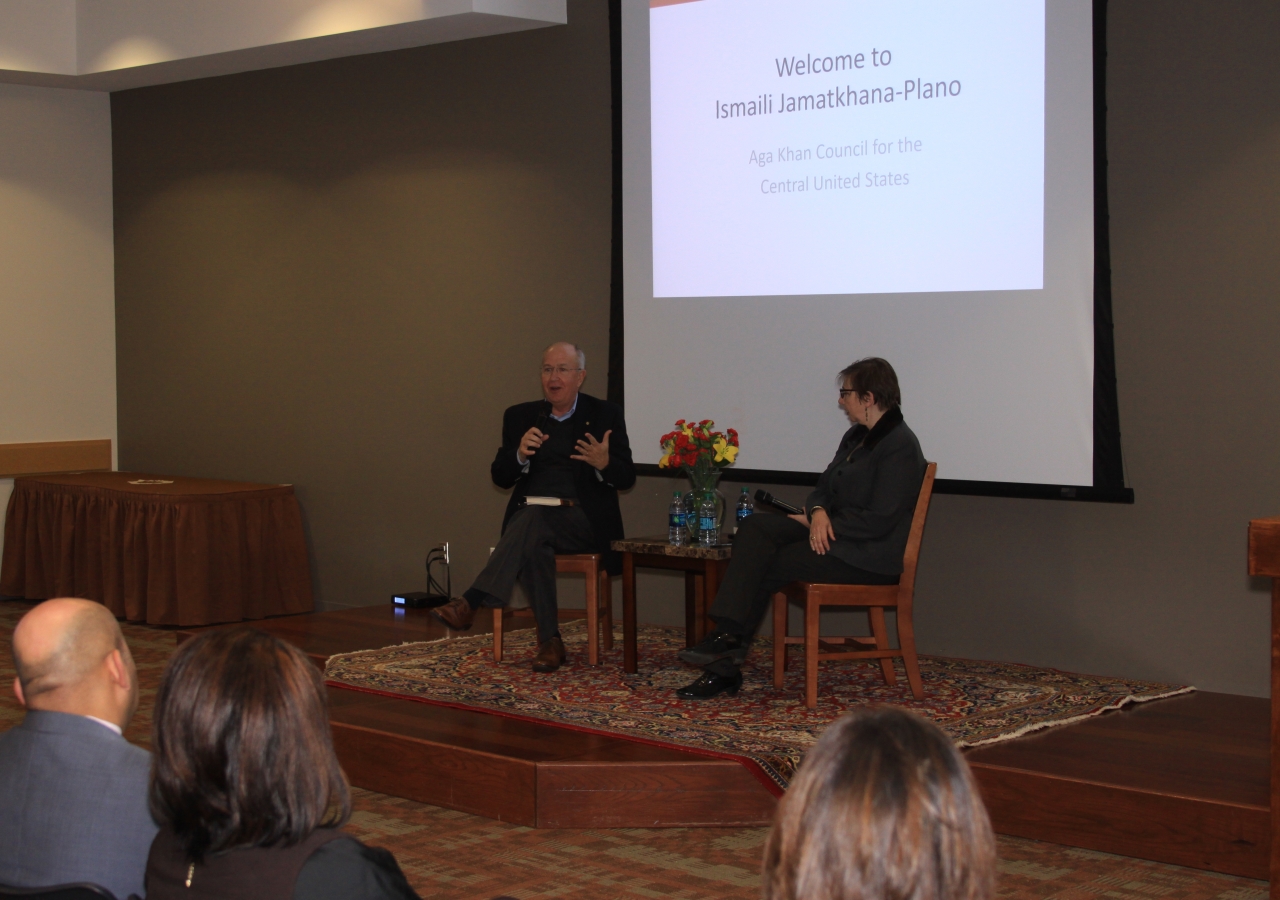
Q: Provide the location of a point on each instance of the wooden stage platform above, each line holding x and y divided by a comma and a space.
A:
1182, 781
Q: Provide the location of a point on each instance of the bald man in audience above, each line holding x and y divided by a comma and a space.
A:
73, 791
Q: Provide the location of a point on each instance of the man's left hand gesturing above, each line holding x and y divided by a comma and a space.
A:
594, 452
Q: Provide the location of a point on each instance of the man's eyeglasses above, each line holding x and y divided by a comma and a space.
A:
562, 371
844, 392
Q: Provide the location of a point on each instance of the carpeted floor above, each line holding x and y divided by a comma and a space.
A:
450, 855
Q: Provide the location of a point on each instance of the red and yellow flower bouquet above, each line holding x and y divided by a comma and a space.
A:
693, 446
703, 454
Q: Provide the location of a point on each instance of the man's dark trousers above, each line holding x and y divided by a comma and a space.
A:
526, 553
771, 551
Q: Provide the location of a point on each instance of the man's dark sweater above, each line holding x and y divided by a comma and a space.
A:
550, 468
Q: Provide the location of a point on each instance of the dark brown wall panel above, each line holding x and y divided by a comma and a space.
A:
337, 275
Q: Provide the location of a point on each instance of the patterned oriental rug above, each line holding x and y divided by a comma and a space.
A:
767, 730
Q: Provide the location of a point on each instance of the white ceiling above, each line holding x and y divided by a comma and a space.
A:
108, 45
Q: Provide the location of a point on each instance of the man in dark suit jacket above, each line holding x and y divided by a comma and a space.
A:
73, 791
566, 457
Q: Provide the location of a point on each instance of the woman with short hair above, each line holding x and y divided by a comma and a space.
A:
883, 808
245, 785
854, 529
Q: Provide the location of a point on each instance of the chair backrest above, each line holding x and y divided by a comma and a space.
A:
907, 583
79, 891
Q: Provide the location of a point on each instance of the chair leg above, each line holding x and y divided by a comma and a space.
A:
881, 634
907, 641
811, 610
593, 619
779, 640
497, 633
606, 607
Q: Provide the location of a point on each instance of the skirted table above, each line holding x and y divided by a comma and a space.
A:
158, 549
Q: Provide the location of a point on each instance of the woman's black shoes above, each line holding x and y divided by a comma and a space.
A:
715, 646
711, 649
711, 685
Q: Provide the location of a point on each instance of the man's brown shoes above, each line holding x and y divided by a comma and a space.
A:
457, 614
550, 655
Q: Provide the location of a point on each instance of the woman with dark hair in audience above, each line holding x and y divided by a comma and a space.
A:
853, 531
884, 808
245, 785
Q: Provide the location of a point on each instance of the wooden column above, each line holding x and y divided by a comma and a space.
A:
1264, 559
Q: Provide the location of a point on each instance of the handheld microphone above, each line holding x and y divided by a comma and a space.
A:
543, 422
763, 496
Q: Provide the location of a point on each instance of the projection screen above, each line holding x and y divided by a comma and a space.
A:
809, 182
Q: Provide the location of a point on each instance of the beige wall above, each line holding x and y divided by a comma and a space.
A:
57, 316
338, 275
111, 34
38, 37
118, 44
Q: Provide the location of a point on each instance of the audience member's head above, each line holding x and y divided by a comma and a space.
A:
71, 657
243, 753
883, 808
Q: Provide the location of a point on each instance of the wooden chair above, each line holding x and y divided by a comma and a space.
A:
876, 598
599, 605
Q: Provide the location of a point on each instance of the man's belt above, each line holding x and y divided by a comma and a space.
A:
548, 501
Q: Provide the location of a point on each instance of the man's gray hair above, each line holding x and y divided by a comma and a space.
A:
582, 357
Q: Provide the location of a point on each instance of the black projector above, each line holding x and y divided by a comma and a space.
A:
418, 600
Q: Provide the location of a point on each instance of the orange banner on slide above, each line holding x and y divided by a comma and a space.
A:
654, 4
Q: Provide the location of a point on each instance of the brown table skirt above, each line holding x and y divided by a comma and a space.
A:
176, 551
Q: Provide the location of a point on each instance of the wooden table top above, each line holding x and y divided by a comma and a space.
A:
140, 483
658, 545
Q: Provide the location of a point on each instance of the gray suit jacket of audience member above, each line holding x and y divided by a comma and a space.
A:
73, 805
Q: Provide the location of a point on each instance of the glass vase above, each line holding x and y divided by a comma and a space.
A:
705, 479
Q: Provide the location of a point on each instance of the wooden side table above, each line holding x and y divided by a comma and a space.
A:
1264, 559
703, 569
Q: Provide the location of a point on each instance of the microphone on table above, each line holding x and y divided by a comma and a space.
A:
763, 496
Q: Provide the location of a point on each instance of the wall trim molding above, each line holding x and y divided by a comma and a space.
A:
51, 457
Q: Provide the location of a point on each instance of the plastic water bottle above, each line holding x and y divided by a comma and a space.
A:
676, 532
691, 517
745, 508
708, 532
